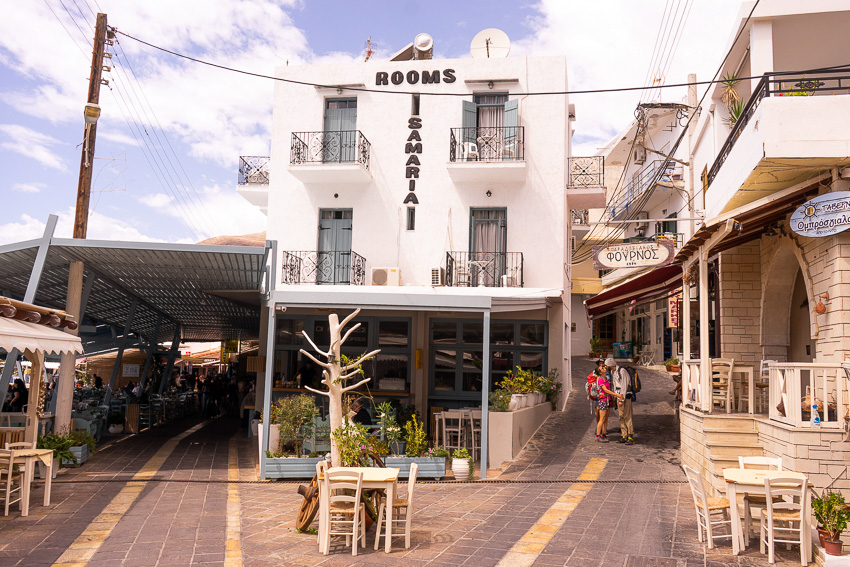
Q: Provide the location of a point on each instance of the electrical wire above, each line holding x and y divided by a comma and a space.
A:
58, 19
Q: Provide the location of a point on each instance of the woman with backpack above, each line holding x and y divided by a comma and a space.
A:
603, 405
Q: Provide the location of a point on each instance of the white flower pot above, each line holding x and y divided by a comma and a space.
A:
116, 428
460, 468
523, 400
515, 402
255, 426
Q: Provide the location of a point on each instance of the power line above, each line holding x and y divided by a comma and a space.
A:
58, 19
466, 94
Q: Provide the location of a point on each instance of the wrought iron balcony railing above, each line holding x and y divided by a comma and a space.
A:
488, 269
580, 217
824, 83
254, 170
677, 238
344, 146
586, 171
506, 143
653, 173
319, 267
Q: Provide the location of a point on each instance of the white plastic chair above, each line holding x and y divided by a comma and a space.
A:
394, 514
756, 501
346, 514
12, 480
784, 505
706, 506
468, 150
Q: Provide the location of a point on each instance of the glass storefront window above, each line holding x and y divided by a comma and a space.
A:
444, 332
445, 363
502, 333
473, 333
531, 361
289, 331
388, 369
392, 333
532, 334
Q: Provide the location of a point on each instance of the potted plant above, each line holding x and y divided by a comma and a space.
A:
554, 387
500, 400
115, 421
832, 515
672, 365
595, 347
432, 462
61, 446
292, 422
82, 445
462, 465
390, 430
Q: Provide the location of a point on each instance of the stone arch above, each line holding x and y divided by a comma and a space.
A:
777, 289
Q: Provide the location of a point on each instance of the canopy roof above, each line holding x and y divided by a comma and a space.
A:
33, 337
212, 292
645, 286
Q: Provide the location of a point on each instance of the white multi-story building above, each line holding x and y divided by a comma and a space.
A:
432, 194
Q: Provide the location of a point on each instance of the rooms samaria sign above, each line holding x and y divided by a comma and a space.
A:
637, 255
824, 215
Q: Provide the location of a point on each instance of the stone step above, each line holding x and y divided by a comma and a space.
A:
733, 450
714, 436
728, 423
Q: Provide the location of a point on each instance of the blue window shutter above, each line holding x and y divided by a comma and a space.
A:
511, 118
470, 121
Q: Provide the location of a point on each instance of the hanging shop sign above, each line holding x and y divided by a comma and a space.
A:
637, 255
130, 370
412, 149
673, 308
824, 215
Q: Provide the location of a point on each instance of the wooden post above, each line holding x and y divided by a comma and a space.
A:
36, 379
68, 360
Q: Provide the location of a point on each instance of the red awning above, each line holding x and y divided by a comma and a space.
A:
645, 286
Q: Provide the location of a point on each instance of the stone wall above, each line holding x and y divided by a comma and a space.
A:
693, 446
740, 303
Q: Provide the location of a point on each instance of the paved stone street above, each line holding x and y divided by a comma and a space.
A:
186, 494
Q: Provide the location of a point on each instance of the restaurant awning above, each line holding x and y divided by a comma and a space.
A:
31, 337
647, 285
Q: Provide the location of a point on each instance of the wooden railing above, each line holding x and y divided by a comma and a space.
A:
826, 382
695, 393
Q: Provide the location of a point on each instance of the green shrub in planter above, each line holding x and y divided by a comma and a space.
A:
61, 446
500, 400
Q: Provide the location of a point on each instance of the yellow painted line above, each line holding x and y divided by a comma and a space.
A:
233, 547
86, 545
531, 545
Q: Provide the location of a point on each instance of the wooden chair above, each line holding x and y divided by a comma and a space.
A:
346, 514
475, 433
762, 384
721, 382
706, 506
12, 480
436, 424
394, 514
785, 498
454, 435
756, 501
321, 469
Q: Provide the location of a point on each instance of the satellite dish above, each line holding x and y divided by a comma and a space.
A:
490, 44
423, 46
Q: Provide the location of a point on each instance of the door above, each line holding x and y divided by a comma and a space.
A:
511, 149
339, 142
488, 243
333, 259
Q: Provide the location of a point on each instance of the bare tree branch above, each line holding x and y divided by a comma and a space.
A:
328, 394
347, 388
312, 344
349, 375
357, 362
313, 358
348, 332
349, 318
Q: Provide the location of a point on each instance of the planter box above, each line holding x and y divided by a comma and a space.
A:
82, 454
511, 430
292, 467
429, 467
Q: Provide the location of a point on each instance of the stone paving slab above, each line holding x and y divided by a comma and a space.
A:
180, 518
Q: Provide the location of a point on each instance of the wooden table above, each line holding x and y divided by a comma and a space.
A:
373, 477
30, 457
751, 481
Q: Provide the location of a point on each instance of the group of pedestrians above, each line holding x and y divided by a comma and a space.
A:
612, 389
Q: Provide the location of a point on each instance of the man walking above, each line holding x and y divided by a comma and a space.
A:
620, 379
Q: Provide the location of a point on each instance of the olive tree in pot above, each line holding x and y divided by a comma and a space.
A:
832, 515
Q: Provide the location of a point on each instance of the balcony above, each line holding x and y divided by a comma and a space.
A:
323, 268
791, 129
253, 182
488, 155
586, 182
648, 187
484, 269
580, 220
338, 157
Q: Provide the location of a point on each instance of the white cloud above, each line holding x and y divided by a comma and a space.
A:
156, 201
33, 187
31, 144
610, 44
117, 137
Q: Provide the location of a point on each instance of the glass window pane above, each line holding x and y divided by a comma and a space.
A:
471, 381
473, 361
392, 333
532, 334
531, 361
391, 372
473, 333
502, 361
445, 364
444, 332
502, 333
289, 331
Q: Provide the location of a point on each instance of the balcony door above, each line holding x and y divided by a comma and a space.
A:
491, 122
488, 241
333, 265
340, 133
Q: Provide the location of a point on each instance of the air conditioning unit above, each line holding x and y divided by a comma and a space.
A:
438, 277
642, 225
639, 156
386, 276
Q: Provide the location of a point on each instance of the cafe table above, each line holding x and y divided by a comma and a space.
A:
751, 481
31, 457
373, 477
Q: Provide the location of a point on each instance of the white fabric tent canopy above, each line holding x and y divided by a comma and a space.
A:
26, 336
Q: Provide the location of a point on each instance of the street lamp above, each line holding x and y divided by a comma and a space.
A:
91, 112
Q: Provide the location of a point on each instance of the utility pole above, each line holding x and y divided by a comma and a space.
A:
67, 378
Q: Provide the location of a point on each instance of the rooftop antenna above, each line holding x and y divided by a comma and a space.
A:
491, 43
368, 48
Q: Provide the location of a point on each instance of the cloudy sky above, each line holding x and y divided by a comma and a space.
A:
171, 131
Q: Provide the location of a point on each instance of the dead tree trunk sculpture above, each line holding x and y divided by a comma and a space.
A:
334, 375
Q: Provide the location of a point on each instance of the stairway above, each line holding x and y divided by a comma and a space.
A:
728, 437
